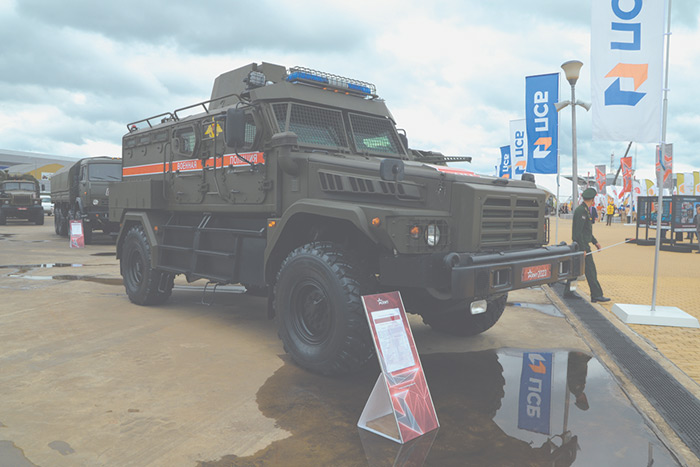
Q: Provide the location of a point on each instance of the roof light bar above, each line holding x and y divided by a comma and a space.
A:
320, 78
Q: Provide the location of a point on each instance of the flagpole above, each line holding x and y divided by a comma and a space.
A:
660, 175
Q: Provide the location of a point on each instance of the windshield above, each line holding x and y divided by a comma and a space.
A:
29, 186
316, 126
104, 172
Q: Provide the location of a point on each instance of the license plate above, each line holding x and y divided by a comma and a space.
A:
536, 273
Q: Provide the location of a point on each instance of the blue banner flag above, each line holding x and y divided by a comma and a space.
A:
534, 403
504, 170
541, 93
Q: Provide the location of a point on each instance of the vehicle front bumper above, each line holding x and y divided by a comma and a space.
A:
480, 275
22, 212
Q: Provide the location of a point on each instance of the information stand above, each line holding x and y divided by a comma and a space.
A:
77, 238
400, 407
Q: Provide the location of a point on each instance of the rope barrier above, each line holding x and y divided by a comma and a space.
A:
610, 246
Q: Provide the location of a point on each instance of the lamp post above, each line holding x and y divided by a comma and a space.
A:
572, 69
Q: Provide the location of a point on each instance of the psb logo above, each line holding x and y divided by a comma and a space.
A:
626, 28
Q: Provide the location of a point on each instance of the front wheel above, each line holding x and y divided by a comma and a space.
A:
39, 218
319, 309
144, 284
453, 316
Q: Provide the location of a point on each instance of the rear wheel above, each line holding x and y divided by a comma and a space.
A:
319, 309
87, 233
144, 284
453, 316
3, 218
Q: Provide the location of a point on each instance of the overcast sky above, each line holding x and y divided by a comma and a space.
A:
75, 72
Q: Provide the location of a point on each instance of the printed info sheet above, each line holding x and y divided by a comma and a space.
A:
393, 341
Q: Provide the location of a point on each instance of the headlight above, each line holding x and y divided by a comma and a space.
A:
432, 235
95, 202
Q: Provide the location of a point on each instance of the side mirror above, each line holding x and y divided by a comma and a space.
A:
234, 129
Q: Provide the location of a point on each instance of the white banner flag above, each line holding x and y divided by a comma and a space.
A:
627, 69
518, 147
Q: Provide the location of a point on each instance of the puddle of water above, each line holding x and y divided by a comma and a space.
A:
62, 447
68, 277
29, 267
480, 399
12, 455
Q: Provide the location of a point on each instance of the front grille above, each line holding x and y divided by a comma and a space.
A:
22, 200
508, 222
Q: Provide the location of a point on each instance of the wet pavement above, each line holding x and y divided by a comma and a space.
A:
87, 378
477, 397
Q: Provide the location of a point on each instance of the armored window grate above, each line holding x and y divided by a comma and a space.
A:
280, 111
372, 134
250, 130
317, 126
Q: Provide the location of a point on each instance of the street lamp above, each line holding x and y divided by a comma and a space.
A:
572, 69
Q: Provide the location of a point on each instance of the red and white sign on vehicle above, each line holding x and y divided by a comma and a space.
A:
536, 273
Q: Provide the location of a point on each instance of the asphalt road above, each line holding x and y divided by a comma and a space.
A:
87, 378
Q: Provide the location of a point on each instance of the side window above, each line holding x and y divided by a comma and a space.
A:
184, 141
250, 131
83, 173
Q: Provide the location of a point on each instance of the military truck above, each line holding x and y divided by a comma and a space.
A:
19, 198
297, 183
81, 192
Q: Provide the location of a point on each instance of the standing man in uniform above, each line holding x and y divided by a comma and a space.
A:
582, 233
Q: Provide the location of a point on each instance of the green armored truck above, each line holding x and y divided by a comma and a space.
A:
81, 192
297, 184
19, 198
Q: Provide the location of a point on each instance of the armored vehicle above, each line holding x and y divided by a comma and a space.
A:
297, 184
19, 198
81, 191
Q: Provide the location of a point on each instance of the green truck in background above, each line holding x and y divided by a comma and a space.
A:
81, 192
297, 184
19, 198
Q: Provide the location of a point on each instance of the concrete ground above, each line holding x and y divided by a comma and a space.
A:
87, 378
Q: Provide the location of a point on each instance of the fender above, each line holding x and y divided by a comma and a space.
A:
149, 222
321, 208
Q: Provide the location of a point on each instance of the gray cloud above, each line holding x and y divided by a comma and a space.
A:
212, 27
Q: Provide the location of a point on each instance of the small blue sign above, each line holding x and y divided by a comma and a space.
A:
542, 122
534, 403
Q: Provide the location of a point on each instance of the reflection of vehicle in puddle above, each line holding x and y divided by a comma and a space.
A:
24, 272
476, 396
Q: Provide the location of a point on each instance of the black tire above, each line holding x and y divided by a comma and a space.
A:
63, 225
3, 218
453, 316
57, 222
87, 233
319, 310
144, 285
39, 219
